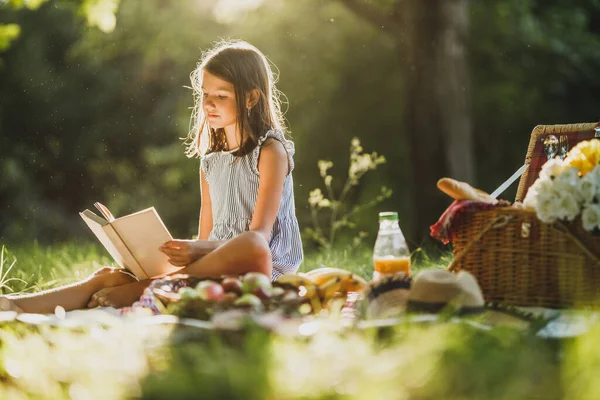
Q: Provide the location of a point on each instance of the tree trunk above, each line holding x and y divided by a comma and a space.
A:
437, 111
431, 45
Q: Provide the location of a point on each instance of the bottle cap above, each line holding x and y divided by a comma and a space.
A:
388, 216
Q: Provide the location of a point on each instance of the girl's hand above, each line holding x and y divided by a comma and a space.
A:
185, 252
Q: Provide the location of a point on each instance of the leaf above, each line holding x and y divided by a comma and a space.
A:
101, 14
8, 33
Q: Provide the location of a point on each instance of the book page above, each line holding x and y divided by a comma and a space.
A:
112, 242
143, 233
104, 211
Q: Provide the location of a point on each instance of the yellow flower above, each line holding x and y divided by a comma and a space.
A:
584, 156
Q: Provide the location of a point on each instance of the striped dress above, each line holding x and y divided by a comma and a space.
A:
233, 186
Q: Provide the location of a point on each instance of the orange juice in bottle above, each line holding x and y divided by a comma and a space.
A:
391, 254
391, 265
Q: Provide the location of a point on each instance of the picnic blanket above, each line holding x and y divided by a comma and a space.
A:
445, 227
562, 324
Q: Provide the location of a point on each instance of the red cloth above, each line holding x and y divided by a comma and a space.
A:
443, 230
539, 158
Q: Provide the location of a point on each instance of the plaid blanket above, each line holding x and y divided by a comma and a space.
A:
444, 229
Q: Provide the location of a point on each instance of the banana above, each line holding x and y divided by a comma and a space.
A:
328, 289
352, 282
320, 270
355, 284
322, 275
295, 280
300, 281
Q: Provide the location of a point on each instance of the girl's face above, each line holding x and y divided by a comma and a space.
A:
218, 101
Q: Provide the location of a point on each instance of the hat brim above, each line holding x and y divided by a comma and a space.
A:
426, 307
488, 317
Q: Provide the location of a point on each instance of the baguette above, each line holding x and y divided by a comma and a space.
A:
463, 191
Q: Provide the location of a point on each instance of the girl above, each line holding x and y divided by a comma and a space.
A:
247, 217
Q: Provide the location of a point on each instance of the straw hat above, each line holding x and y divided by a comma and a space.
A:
431, 290
435, 289
387, 297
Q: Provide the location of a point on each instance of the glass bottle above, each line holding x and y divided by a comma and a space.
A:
391, 254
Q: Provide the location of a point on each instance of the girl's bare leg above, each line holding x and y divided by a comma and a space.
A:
244, 253
247, 252
70, 297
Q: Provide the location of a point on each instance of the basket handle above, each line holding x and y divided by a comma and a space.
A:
498, 222
559, 226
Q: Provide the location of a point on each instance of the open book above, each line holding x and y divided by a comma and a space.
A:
133, 240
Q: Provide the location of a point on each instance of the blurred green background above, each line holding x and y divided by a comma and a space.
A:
90, 114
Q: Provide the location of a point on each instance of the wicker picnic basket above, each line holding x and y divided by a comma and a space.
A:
519, 260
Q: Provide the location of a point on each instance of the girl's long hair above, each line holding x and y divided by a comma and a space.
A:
244, 66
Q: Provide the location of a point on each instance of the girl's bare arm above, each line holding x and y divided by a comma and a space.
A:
273, 168
206, 218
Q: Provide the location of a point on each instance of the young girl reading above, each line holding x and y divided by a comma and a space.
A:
247, 217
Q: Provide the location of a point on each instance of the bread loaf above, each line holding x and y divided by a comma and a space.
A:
463, 191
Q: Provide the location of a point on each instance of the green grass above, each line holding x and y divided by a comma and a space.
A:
120, 359
360, 260
39, 267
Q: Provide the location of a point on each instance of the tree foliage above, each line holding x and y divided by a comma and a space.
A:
92, 116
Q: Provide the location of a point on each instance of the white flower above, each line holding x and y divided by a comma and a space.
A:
569, 176
324, 203
595, 174
568, 207
552, 168
324, 166
543, 186
315, 197
590, 217
530, 200
547, 208
587, 188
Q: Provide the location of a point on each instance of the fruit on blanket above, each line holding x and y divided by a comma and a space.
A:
355, 284
232, 285
294, 280
277, 291
229, 297
262, 293
187, 293
350, 281
209, 290
324, 274
330, 288
306, 287
253, 280
204, 298
248, 299
289, 295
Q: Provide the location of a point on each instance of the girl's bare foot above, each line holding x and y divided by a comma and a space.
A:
120, 296
111, 276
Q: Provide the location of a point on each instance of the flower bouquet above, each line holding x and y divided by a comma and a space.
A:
569, 188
